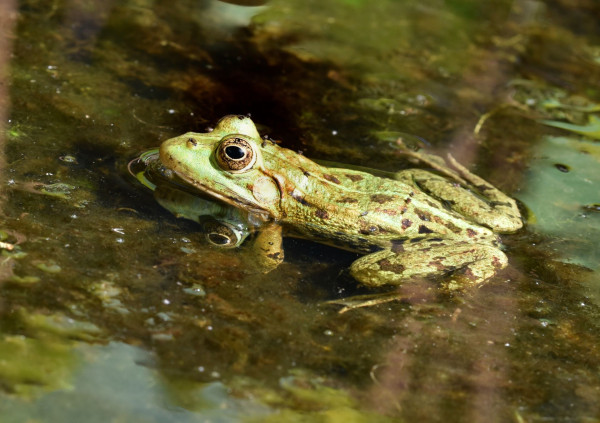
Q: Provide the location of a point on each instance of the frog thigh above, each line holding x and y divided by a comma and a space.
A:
474, 264
268, 248
499, 212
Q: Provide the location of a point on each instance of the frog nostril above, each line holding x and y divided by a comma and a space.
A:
234, 152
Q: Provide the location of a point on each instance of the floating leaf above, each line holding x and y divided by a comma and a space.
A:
592, 129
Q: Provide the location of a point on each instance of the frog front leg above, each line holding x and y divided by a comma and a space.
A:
267, 247
468, 194
470, 264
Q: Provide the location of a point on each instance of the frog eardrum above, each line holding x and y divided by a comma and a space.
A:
234, 154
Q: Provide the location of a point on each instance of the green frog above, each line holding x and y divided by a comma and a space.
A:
412, 224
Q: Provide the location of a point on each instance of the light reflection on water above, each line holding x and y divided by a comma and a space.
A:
118, 380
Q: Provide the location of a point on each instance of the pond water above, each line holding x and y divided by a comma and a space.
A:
112, 309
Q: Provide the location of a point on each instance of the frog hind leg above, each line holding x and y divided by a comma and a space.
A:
498, 201
495, 210
488, 207
470, 264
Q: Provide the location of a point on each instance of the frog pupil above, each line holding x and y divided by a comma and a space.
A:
234, 152
218, 239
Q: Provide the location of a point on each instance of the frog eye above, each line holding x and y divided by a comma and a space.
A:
221, 235
235, 154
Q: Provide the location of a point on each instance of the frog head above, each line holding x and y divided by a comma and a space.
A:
226, 163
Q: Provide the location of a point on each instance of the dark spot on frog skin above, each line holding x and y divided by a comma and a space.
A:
322, 214
274, 255
348, 200
372, 248
423, 215
452, 227
331, 178
497, 263
388, 266
424, 230
406, 223
407, 200
397, 246
192, 142
299, 198
437, 264
381, 198
562, 167
471, 233
469, 274
354, 178
413, 240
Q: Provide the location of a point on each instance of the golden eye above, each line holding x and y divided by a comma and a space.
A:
235, 154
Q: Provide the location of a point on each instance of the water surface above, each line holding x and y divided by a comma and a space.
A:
113, 309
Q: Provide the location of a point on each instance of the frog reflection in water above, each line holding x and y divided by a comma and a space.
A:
416, 224
221, 225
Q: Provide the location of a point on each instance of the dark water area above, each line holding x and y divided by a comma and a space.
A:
112, 309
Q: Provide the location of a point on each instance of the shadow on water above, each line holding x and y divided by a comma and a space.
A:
102, 286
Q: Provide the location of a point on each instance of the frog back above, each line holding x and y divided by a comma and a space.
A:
360, 211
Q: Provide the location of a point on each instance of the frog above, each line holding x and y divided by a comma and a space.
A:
221, 225
443, 222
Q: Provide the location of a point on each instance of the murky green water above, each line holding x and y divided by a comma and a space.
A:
113, 310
